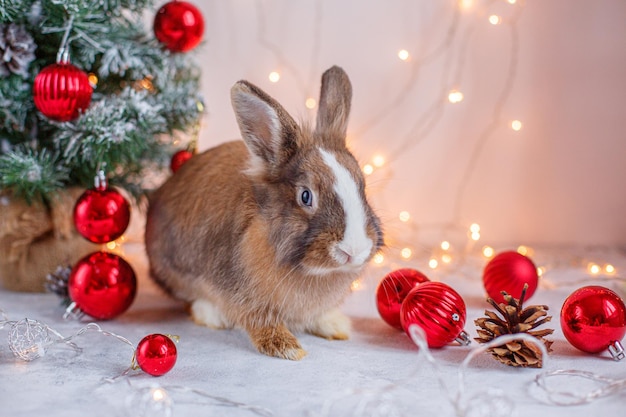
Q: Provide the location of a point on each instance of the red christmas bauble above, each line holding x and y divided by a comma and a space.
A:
593, 318
509, 271
156, 354
392, 290
102, 285
438, 309
61, 91
179, 25
179, 159
101, 214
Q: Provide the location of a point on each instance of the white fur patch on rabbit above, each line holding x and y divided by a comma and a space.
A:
355, 247
332, 325
203, 312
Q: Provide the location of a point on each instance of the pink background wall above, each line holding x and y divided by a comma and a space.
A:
559, 180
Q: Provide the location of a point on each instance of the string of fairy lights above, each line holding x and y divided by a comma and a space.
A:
458, 240
453, 48
440, 247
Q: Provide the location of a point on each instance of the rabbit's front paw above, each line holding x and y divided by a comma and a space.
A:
333, 325
277, 341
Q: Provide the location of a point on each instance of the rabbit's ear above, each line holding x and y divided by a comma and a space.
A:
268, 130
334, 104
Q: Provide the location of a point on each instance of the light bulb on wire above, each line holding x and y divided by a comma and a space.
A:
455, 96
494, 19
310, 103
274, 76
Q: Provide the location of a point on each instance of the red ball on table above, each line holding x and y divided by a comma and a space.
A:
593, 319
440, 312
156, 354
392, 290
102, 285
179, 26
510, 271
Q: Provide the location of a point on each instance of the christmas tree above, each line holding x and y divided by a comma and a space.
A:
145, 96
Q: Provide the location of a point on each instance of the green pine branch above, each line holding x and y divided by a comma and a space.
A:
144, 95
31, 174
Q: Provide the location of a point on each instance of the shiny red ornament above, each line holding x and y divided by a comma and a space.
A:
439, 310
101, 214
61, 91
156, 354
102, 285
392, 290
179, 159
593, 319
179, 25
509, 271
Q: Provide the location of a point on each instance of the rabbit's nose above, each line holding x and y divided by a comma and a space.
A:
345, 255
342, 257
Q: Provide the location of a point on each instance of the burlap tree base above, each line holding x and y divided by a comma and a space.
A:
35, 239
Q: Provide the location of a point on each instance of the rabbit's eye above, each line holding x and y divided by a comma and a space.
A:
306, 197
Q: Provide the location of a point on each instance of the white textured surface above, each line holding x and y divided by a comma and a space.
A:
223, 363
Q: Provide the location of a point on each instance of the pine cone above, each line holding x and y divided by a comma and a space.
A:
513, 320
17, 50
56, 282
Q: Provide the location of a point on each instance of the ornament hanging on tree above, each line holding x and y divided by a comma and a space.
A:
392, 290
439, 310
156, 354
101, 214
509, 272
102, 285
61, 91
593, 319
512, 318
179, 158
179, 26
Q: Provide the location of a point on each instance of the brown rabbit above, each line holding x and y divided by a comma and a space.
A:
268, 233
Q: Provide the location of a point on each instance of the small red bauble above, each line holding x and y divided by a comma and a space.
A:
101, 214
593, 319
392, 290
102, 285
179, 25
509, 271
439, 310
156, 354
61, 91
179, 159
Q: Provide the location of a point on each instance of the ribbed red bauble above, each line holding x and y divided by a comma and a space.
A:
593, 319
61, 91
101, 214
156, 354
439, 310
102, 285
509, 271
179, 26
392, 290
179, 158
